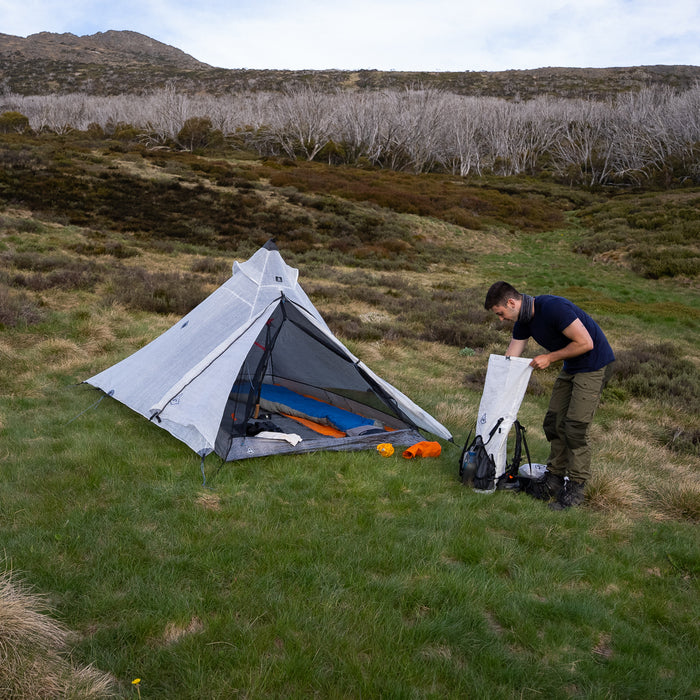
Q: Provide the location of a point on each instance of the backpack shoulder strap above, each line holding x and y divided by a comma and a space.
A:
494, 429
520, 442
527, 451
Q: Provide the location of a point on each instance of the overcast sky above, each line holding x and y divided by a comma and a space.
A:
432, 35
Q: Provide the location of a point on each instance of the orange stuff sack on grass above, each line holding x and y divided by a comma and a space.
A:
423, 449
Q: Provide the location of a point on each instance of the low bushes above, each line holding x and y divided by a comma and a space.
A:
450, 317
657, 237
439, 196
17, 309
158, 292
653, 370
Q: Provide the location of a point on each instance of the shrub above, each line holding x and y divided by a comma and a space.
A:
29, 226
454, 318
95, 131
349, 326
658, 371
53, 272
437, 196
162, 293
680, 440
657, 236
655, 263
13, 122
221, 172
197, 132
17, 309
209, 265
124, 132
115, 249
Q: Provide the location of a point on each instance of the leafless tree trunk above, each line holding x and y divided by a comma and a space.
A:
583, 152
301, 119
358, 125
462, 146
630, 139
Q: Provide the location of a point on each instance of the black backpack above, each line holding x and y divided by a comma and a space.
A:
478, 468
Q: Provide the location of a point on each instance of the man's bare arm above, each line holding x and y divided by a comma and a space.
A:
516, 348
581, 342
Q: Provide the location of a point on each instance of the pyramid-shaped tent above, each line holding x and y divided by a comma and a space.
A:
254, 370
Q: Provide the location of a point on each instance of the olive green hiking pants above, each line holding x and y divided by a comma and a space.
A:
573, 404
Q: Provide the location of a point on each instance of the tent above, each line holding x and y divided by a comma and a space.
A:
254, 370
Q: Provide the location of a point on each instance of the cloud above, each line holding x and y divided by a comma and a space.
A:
451, 35
389, 34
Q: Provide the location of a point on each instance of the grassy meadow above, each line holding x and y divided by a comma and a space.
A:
338, 575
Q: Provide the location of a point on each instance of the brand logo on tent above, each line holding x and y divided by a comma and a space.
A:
483, 419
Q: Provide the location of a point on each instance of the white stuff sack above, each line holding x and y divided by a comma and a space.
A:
504, 389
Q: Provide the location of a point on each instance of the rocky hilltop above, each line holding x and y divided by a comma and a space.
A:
117, 62
104, 48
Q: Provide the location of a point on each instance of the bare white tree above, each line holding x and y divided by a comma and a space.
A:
301, 119
358, 125
462, 149
632, 138
419, 117
583, 151
169, 111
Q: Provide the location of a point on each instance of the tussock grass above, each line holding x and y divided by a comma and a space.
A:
616, 490
680, 501
639, 478
34, 662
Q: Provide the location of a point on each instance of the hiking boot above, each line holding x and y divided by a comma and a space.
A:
569, 497
550, 487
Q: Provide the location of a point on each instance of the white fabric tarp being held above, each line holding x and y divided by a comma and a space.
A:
504, 388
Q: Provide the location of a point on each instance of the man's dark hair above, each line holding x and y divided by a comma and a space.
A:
499, 293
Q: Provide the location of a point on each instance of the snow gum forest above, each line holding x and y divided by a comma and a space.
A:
647, 137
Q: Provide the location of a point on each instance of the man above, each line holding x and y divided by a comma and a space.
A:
567, 333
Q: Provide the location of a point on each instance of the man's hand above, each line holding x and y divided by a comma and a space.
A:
541, 362
581, 342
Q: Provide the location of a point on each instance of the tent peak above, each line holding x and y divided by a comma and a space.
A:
271, 245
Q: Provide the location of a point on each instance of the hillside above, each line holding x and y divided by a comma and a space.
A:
114, 62
115, 48
292, 577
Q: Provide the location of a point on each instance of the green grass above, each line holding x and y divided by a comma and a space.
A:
349, 575
338, 575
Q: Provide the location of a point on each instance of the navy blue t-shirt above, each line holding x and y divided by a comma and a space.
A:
552, 316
